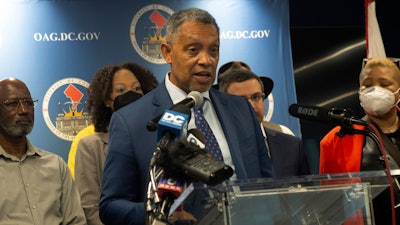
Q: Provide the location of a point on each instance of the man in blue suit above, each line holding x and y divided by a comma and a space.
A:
285, 151
192, 50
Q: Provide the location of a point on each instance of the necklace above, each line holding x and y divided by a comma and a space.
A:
393, 127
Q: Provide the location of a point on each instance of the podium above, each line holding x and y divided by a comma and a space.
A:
315, 199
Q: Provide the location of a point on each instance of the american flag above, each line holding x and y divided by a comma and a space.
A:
373, 37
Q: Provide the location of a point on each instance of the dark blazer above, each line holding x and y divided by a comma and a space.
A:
131, 147
288, 156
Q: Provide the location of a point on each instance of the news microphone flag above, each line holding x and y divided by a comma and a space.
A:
170, 188
373, 37
169, 185
173, 121
193, 99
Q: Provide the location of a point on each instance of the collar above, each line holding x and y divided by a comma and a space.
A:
178, 94
31, 151
263, 131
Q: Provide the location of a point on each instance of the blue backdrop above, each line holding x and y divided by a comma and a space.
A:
57, 46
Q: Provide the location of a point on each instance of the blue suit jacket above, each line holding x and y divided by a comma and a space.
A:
288, 156
131, 147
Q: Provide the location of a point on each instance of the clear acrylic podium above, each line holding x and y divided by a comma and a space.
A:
315, 199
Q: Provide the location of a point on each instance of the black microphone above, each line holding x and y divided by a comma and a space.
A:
319, 114
193, 99
169, 188
187, 161
170, 128
196, 137
170, 124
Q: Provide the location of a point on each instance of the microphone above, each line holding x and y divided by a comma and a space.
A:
169, 189
170, 125
173, 121
193, 99
319, 114
196, 137
187, 161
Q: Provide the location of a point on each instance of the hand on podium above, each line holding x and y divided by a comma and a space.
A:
182, 218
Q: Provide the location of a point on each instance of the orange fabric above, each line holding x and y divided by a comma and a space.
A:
342, 154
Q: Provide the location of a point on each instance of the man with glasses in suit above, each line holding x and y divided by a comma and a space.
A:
285, 151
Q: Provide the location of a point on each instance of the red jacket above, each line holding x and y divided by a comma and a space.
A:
342, 154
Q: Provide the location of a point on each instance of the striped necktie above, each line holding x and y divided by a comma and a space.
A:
210, 142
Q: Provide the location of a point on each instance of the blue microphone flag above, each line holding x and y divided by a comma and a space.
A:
173, 121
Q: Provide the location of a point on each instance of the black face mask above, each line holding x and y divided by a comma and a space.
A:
126, 98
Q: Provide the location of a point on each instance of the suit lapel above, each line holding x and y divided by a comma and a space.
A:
272, 140
223, 110
161, 99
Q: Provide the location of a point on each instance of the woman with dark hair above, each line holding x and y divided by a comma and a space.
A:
108, 83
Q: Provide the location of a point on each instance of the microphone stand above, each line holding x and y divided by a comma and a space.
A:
153, 213
373, 133
153, 204
157, 209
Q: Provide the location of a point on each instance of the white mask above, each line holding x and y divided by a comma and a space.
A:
377, 101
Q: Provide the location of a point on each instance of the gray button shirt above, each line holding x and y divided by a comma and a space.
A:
37, 189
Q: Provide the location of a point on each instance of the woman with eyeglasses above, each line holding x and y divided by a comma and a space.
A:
379, 96
108, 85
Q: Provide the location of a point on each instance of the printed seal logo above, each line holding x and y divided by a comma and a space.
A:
147, 28
66, 98
270, 106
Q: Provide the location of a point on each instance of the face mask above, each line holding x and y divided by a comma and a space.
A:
126, 98
377, 101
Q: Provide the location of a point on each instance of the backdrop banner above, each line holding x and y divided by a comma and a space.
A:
56, 47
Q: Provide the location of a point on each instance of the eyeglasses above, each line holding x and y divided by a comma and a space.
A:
14, 104
256, 97
395, 60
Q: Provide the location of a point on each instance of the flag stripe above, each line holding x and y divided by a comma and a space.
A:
373, 37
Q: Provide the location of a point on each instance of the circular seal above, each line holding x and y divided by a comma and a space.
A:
270, 111
66, 116
147, 31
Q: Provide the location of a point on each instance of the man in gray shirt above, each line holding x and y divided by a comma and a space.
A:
36, 186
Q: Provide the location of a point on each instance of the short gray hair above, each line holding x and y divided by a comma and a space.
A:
174, 23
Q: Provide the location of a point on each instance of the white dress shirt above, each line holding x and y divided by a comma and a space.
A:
178, 95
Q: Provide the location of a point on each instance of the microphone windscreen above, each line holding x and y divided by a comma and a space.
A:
178, 153
197, 98
309, 112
